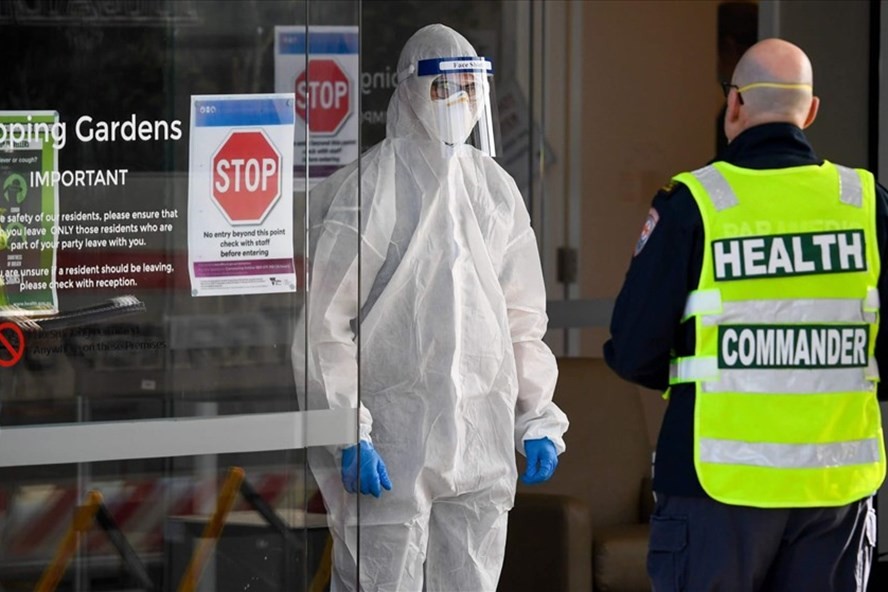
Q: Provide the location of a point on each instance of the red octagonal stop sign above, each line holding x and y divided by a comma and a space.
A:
246, 176
323, 91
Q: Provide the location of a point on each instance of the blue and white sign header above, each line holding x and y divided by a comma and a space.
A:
227, 113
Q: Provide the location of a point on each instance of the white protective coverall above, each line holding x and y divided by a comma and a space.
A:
454, 372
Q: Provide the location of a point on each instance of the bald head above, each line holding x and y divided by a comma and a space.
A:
776, 84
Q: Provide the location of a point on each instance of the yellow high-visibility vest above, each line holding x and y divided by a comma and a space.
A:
786, 317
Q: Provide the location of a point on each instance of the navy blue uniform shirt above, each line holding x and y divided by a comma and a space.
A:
646, 324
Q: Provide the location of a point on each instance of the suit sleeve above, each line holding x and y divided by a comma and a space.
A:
521, 280
648, 310
324, 350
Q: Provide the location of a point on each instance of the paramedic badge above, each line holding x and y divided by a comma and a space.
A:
649, 224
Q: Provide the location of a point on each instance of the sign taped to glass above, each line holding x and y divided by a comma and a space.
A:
28, 239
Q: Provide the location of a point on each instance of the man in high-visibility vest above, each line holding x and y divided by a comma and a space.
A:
753, 297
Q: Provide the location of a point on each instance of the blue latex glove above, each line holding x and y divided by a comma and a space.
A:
542, 458
373, 472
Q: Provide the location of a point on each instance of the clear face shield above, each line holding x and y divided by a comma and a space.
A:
461, 102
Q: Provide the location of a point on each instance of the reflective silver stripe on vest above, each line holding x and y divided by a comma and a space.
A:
718, 188
808, 310
793, 381
871, 306
850, 188
693, 369
790, 456
702, 302
872, 369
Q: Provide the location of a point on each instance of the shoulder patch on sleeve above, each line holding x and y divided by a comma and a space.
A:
646, 230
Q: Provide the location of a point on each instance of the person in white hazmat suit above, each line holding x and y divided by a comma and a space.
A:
453, 369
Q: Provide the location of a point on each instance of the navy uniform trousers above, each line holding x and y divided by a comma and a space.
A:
700, 545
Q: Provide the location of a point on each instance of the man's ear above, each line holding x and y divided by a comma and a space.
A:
732, 110
812, 112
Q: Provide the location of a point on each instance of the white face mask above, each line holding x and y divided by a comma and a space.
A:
455, 117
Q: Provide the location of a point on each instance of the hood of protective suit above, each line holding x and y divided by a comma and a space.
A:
412, 113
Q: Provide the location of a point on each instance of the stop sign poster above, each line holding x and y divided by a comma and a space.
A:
240, 195
320, 66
